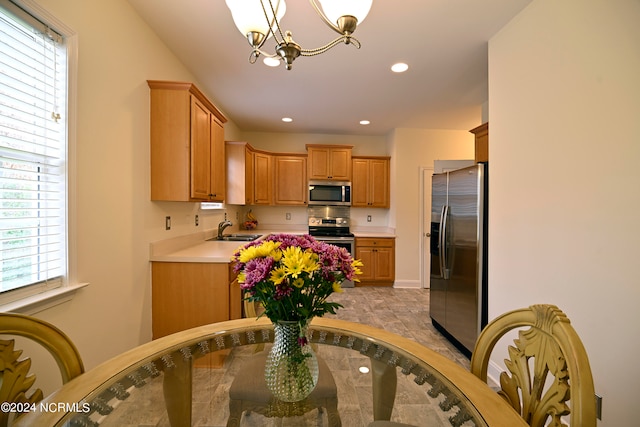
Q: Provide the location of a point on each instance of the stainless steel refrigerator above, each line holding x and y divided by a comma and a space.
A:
458, 288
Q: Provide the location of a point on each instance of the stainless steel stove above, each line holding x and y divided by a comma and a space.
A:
331, 224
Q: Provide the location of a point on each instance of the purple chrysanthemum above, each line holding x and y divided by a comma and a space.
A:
257, 270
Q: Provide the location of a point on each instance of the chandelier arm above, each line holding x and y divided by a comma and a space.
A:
323, 49
271, 22
256, 52
324, 17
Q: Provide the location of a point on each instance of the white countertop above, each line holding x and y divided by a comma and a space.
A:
194, 247
214, 251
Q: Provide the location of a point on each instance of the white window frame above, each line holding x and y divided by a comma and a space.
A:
35, 298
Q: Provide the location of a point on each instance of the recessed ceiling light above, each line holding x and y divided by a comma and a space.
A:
363, 369
400, 67
287, 119
271, 61
364, 122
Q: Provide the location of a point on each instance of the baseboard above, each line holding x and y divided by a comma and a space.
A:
493, 374
407, 284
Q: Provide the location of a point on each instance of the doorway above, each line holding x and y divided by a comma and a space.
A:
425, 225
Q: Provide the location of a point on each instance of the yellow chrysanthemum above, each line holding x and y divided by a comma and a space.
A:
299, 282
263, 250
355, 264
242, 277
310, 261
268, 248
337, 287
278, 275
247, 254
292, 259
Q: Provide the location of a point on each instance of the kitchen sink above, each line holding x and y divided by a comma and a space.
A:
237, 237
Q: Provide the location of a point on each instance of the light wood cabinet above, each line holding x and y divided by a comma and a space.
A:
185, 295
370, 184
329, 162
482, 142
262, 178
187, 144
378, 259
257, 177
235, 295
218, 162
239, 173
291, 186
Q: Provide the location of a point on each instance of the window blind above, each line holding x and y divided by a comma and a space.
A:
32, 152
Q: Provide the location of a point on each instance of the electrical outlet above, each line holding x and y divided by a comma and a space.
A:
287, 216
167, 223
197, 221
368, 218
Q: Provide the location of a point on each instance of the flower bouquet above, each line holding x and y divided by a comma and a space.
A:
292, 276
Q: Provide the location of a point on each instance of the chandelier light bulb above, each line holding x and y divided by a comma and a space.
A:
271, 61
335, 9
248, 15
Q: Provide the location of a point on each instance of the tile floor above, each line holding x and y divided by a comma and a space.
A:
402, 311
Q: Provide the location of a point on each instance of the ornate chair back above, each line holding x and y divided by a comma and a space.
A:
16, 381
549, 375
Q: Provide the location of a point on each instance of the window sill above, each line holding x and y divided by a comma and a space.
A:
42, 301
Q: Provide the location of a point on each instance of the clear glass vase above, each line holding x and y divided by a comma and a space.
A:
291, 371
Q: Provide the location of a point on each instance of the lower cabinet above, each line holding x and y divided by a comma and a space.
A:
378, 259
185, 295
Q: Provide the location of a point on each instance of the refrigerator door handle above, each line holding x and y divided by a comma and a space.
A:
444, 264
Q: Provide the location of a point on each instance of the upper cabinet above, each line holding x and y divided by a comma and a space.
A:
482, 142
329, 162
239, 173
291, 179
257, 177
370, 186
187, 144
262, 178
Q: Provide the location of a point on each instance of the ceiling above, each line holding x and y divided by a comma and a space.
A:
444, 42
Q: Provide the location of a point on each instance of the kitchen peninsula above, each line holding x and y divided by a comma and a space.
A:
193, 282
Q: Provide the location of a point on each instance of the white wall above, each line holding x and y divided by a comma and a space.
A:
564, 102
295, 142
412, 149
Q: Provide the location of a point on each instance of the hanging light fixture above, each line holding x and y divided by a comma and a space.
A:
258, 20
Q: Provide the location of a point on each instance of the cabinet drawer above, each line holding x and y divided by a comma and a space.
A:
375, 242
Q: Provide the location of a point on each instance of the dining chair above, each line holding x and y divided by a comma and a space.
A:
15, 380
249, 392
549, 376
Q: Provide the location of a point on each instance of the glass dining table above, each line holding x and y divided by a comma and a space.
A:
379, 376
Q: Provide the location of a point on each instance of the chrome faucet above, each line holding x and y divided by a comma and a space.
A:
224, 224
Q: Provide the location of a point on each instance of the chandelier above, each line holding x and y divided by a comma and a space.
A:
258, 20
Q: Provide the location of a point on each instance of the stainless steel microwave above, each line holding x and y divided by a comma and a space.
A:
336, 193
